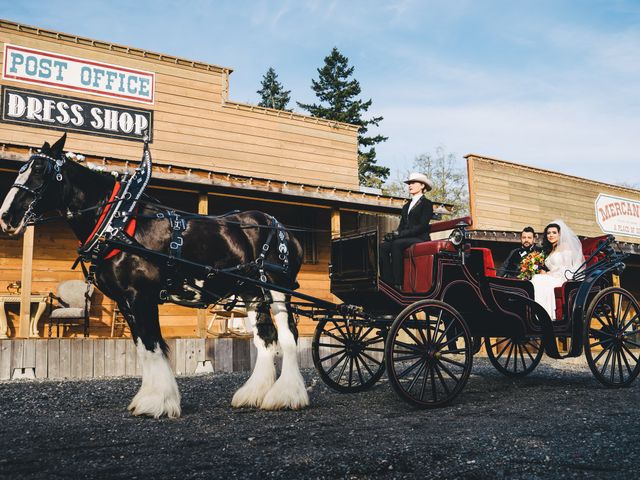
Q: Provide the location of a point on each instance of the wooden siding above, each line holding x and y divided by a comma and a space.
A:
195, 125
115, 357
507, 197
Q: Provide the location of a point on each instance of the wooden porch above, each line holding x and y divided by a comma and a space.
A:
60, 358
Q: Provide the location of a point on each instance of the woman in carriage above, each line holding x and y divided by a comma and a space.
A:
564, 257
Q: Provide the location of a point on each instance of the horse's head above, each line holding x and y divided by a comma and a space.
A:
36, 190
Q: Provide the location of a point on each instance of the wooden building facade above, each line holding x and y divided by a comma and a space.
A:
504, 197
211, 155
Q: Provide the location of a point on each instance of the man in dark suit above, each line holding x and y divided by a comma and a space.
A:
413, 228
511, 266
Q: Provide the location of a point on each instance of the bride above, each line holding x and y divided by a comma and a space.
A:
564, 257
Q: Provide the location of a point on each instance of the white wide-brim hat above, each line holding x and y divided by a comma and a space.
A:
420, 177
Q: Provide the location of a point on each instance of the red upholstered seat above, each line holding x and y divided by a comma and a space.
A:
589, 245
487, 261
418, 258
418, 264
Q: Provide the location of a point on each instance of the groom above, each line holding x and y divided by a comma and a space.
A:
511, 266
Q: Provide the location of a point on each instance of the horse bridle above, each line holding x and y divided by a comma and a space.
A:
52, 165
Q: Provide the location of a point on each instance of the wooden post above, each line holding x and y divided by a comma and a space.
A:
25, 297
203, 209
335, 222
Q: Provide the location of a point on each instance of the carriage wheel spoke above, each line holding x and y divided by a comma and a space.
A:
493, 345
626, 362
407, 357
442, 380
617, 318
413, 337
444, 333
620, 366
408, 370
606, 362
322, 359
422, 369
360, 376
433, 384
595, 360
601, 332
425, 338
612, 373
451, 340
628, 350
453, 362
342, 340
344, 335
410, 346
344, 356
524, 347
364, 364
628, 324
502, 351
374, 360
626, 340
524, 364
350, 371
438, 322
447, 371
342, 370
604, 323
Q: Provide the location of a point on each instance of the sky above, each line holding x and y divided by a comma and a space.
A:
547, 83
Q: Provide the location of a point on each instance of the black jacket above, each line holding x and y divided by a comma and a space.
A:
511, 266
415, 223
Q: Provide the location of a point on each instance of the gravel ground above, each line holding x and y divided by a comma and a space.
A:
557, 423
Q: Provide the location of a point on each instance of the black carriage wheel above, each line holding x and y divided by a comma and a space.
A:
612, 337
429, 354
514, 356
348, 356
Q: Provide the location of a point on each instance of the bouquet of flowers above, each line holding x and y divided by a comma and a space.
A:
531, 264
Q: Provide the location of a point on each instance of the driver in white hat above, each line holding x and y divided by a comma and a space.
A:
413, 228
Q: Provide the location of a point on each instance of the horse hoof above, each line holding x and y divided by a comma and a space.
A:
288, 394
155, 405
251, 394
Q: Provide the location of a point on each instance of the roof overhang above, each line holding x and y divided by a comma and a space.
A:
215, 182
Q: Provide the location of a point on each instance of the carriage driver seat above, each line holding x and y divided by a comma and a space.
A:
419, 257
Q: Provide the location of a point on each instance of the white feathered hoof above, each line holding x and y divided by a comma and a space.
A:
156, 404
251, 394
288, 392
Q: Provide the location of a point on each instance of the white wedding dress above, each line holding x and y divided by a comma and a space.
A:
563, 262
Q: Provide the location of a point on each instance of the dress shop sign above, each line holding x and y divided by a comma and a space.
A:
618, 215
60, 112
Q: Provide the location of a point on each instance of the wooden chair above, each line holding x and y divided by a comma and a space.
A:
73, 305
226, 318
118, 321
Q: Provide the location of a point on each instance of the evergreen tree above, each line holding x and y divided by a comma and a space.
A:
338, 92
272, 94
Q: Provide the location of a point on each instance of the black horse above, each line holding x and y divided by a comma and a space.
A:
49, 182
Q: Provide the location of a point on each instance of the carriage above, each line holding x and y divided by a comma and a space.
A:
424, 335
452, 303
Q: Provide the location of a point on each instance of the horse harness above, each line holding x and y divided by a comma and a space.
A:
52, 164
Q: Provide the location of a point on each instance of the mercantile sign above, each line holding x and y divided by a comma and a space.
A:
55, 70
618, 215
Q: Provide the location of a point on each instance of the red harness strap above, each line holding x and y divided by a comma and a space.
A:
130, 229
